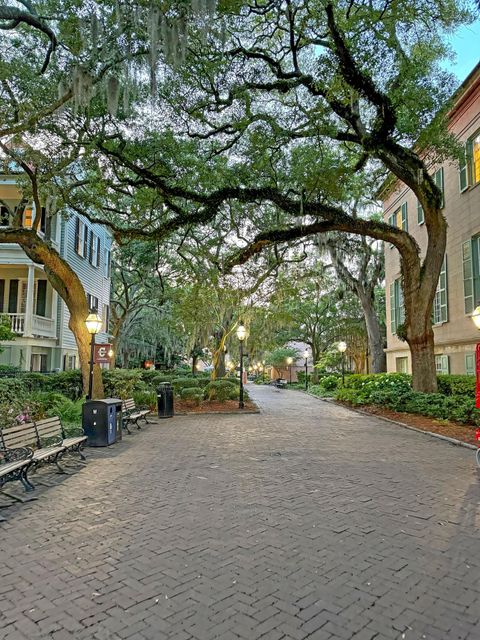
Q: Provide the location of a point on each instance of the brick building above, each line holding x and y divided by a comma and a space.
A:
458, 291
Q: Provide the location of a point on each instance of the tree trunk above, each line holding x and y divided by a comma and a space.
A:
194, 363
374, 334
218, 361
418, 334
314, 373
66, 282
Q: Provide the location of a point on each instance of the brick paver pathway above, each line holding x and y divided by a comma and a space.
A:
307, 521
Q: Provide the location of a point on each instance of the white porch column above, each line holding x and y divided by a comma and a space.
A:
53, 314
29, 302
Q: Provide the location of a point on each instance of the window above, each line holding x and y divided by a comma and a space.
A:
92, 302
13, 296
399, 218
4, 217
41, 301
81, 238
420, 215
440, 302
397, 308
442, 364
469, 166
69, 362
401, 364
470, 364
94, 250
106, 317
471, 273
28, 218
38, 362
43, 221
108, 263
438, 179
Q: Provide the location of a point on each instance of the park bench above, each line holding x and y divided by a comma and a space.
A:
45, 437
14, 464
132, 414
281, 383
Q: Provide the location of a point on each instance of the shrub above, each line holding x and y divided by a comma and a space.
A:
12, 389
121, 383
221, 390
184, 383
329, 383
153, 378
192, 393
456, 385
147, 399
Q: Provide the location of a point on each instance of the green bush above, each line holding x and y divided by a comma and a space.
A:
329, 383
184, 383
12, 389
456, 385
192, 393
221, 390
153, 378
122, 383
145, 399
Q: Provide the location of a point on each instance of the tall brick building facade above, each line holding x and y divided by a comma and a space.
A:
458, 291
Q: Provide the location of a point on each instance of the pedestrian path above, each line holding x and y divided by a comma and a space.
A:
304, 521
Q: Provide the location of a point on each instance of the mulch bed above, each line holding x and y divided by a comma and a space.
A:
229, 406
463, 432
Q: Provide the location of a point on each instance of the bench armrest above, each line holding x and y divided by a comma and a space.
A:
20, 453
74, 432
51, 441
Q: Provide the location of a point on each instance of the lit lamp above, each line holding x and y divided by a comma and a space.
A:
94, 326
305, 355
263, 371
342, 347
476, 317
289, 362
241, 335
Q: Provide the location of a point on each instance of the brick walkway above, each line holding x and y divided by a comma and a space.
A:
307, 521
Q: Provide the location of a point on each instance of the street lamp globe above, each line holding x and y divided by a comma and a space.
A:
94, 323
290, 360
476, 317
342, 346
241, 332
110, 353
305, 354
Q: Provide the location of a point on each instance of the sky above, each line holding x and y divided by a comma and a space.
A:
466, 44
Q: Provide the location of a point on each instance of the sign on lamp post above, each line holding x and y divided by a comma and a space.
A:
101, 354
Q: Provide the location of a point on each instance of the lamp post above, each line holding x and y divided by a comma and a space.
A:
342, 347
289, 362
241, 335
94, 325
305, 355
263, 371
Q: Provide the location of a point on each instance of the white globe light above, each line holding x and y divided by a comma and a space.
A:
94, 323
476, 317
342, 347
241, 333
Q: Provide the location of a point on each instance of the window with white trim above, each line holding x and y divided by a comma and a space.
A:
470, 364
397, 306
92, 302
81, 238
440, 302
442, 364
401, 364
471, 273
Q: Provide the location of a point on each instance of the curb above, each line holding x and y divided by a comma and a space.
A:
439, 436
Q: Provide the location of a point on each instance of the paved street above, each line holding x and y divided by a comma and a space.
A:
306, 521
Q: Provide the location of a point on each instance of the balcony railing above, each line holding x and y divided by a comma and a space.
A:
42, 327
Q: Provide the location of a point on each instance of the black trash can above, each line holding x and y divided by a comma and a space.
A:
165, 400
102, 421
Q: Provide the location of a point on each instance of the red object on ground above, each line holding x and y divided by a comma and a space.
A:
477, 434
477, 362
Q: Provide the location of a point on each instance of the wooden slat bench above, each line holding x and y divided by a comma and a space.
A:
45, 437
14, 464
280, 383
50, 432
132, 415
